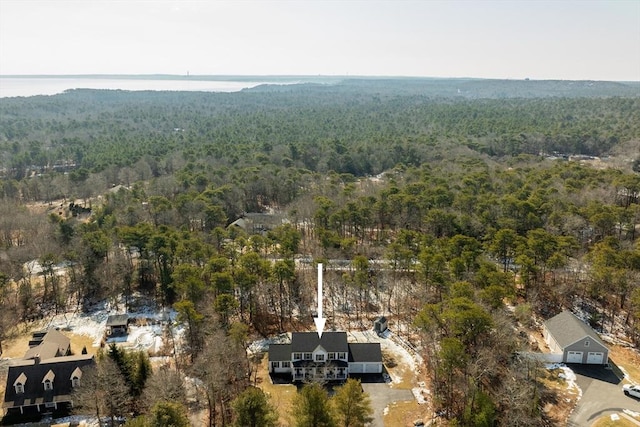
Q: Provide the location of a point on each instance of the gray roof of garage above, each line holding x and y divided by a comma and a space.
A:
365, 352
566, 329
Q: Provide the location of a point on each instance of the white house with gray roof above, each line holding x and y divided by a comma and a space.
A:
330, 358
577, 342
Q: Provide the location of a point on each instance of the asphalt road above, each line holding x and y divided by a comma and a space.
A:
601, 395
382, 395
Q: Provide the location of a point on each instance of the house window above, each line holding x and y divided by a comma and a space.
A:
319, 357
48, 385
286, 364
19, 388
308, 356
586, 343
275, 364
342, 356
297, 356
75, 382
332, 356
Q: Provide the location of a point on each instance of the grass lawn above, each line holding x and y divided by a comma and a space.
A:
281, 395
628, 359
404, 375
405, 413
16, 347
606, 421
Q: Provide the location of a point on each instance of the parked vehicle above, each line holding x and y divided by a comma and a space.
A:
631, 390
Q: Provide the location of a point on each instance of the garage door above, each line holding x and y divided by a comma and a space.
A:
356, 368
574, 357
595, 358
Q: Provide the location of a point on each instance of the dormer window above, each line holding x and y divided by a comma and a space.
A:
19, 383
75, 377
47, 381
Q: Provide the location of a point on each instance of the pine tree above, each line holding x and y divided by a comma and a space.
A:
353, 406
168, 414
252, 409
311, 407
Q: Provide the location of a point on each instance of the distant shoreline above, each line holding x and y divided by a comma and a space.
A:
171, 77
25, 86
282, 77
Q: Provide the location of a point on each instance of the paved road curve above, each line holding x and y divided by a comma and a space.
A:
601, 395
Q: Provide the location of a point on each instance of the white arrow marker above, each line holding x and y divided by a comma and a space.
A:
319, 321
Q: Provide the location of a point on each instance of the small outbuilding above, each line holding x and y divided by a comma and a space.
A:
380, 324
117, 324
577, 341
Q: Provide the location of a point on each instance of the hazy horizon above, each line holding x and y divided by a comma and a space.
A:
539, 40
229, 77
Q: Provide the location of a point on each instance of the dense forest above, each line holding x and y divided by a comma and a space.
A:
461, 209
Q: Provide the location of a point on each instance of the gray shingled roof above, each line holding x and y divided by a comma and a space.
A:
279, 352
365, 352
308, 341
566, 329
118, 320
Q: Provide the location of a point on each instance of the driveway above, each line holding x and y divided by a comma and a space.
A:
601, 395
381, 396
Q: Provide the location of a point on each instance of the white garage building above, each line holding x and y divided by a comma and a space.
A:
577, 342
330, 358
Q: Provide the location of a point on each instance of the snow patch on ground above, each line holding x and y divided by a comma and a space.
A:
568, 375
261, 346
390, 343
80, 420
417, 393
625, 373
145, 333
631, 413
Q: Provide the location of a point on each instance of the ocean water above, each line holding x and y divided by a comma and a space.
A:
31, 86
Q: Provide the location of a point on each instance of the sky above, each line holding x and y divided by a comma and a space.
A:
577, 40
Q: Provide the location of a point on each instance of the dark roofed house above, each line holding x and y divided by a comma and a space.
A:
44, 379
577, 341
118, 324
330, 358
